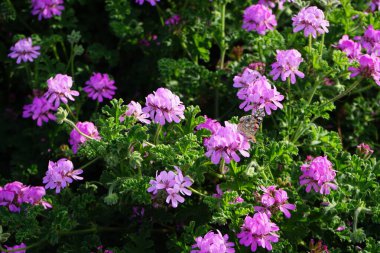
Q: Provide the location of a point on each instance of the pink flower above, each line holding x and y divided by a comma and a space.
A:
213, 243
172, 186
369, 67
370, 39
272, 3
258, 231
341, 228
256, 92
173, 20
47, 8
364, 149
76, 139
259, 18
349, 47
219, 192
318, 175
152, 2
99, 87
163, 106
375, 5
225, 143
60, 174
40, 109
134, 109
24, 51
287, 65
311, 20
210, 124
59, 90
21, 248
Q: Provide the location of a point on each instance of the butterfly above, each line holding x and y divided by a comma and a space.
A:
249, 124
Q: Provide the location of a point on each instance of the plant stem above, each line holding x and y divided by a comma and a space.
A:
356, 216
346, 92
70, 111
29, 75
197, 192
321, 46
88, 164
78, 130
157, 135
221, 166
310, 43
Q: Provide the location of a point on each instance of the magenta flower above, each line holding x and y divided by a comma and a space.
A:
375, 5
60, 174
76, 139
225, 143
152, 2
369, 67
258, 18
24, 51
99, 87
47, 8
14, 194
173, 20
163, 106
210, 124
40, 109
171, 186
219, 192
59, 90
318, 175
258, 231
213, 243
370, 40
21, 248
272, 3
311, 20
256, 92
134, 109
288, 62
349, 47
364, 149
274, 200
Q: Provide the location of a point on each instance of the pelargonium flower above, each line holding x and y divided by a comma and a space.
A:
59, 89
213, 243
364, 149
288, 62
272, 3
173, 20
172, 185
60, 174
375, 5
152, 2
21, 248
40, 110
47, 8
225, 143
369, 67
258, 231
134, 109
99, 87
76, 139
311, 20
219, 193
318, 175
163, 106
256, 92
24, 51
351, 48
210, 124
318, 247
14, 194
370, 39
274, 200
259, 18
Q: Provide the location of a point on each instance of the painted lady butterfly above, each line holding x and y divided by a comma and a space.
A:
249, 124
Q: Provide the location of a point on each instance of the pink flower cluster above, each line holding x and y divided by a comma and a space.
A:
258, 231
152, 2
40, 109
20, 248
134, 109
173, 186
173, 20
164, 106
311, 20
364, 149
210, 124
288, 62
60, 174
59, 90
369, 67
351, 48
14, 194
318, 175
375, 5
99, 87
225, 143
76, 139
272, 3
370, 40
24, 51
274, 200
47, 8
259, 18
256, 92
213, 243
